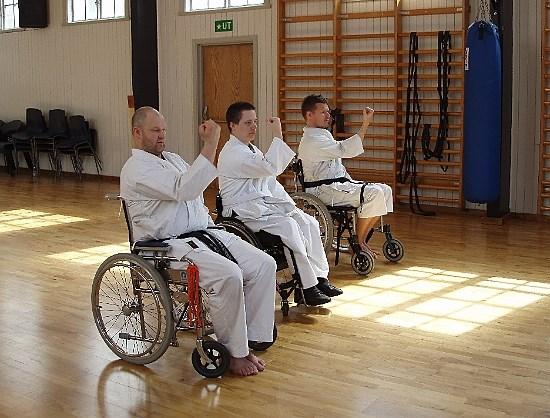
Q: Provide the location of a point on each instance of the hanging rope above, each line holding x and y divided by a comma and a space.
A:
443, 82
407, 165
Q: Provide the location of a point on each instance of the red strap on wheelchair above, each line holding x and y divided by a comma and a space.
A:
194, 293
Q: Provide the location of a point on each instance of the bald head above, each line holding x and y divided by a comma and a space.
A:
140, 115
149, 130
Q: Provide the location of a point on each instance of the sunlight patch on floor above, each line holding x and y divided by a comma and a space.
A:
92, 255
21, 219
436, 300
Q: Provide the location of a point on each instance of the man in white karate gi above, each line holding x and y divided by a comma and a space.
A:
321, 157
164, 198
249, 189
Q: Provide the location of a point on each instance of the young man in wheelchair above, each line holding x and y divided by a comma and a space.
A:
164, 199
249, 189
321, 157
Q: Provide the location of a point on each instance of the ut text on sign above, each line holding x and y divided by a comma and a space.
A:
223, 25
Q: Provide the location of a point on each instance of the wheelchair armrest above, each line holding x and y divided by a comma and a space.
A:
151, 245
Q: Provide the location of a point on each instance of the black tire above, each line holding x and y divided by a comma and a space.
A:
132, 308
219, 359
262, 346
393, 250
314, 207
362, 262
241, 230
285, 307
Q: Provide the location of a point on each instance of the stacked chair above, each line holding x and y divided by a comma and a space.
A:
6, 146
72, 137
23, 141
57, 132
81, 142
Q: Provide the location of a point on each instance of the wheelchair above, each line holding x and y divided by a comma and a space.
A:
270, 244
139, 303
338, 221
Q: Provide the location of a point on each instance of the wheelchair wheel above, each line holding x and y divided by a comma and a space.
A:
132, 308
393, 250
241, 230
362, 262
219, 359
262, 346
285, 307
314, 207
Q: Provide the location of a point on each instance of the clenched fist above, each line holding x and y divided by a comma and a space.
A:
276, 127
209, 132
368, 114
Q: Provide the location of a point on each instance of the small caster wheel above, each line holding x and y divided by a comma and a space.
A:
262, 346
362, 262
285, 307
219, 359
393, 250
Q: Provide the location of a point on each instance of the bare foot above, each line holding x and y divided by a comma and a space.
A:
258, 362
242, 366
367, 249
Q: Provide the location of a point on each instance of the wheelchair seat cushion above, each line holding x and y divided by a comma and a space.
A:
346, 208
268, 240
151, 243
155, 245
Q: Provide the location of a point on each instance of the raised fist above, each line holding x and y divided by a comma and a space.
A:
209, 131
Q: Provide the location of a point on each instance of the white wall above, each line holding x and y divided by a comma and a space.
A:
526, 107
177, 58
84, 69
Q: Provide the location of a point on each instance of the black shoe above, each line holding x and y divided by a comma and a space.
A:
328, 288
312, 295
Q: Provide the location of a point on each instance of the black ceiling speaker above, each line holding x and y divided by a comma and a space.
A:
33, 13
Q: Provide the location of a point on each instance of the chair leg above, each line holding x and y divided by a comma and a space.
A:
58, 165
53, 164
98, 164
79, 166
74, 163
9, 163
35, 158
28, 159
16, 158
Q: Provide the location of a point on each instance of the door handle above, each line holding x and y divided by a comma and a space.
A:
205, 113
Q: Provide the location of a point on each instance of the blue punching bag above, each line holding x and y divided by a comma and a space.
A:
482, 113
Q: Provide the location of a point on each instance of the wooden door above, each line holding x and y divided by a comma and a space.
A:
228, 76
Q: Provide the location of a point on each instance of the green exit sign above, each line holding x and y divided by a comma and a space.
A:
223, 25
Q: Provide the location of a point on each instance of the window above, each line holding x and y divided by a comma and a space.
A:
9, 14
196, 5
86, 10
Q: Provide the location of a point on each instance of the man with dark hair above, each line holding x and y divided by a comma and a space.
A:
321, 157
164, 198
310, 103
249, 188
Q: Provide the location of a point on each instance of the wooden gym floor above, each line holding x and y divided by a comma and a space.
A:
461, 327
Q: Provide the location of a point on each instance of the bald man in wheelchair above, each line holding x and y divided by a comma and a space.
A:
164, 198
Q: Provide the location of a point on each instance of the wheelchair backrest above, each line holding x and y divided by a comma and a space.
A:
128, 222
116, 196
298, 170
219, 205
136, 247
